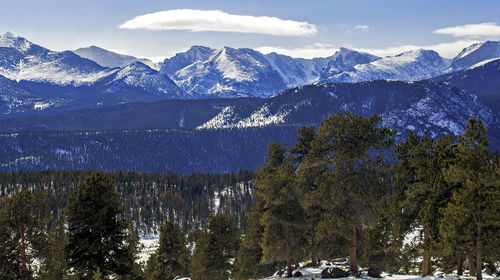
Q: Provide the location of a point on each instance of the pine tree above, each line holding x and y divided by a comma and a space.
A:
309, 175
248, 261
9, 265
172, 256
96, 229
130, 269
24, 219
475, 207
349, 149
420, 181
283, 218
212, 258
54, 265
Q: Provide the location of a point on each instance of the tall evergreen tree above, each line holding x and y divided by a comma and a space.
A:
420, 178
215, 250
248, 261
96, 229
283, 217
475, 206
24, 220
309, 174
172, 256
351, 149
54, 265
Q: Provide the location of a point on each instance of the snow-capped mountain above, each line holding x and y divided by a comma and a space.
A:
22, 60
297, 71
230, 72
183, 59
65, 81
140, 76
111, 59
344, 60
408, 66
475, 54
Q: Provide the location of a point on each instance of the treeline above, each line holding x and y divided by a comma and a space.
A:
148, 199
337, 192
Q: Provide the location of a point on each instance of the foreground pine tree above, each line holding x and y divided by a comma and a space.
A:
23, 226
54, 265
283, 218
248, 262
215, 250
96, 229
172, 256
349, 149
419, 173
474, 211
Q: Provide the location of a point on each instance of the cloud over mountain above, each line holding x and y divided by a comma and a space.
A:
215, 20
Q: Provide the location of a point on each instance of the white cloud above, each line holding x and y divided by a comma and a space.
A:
362, 27
310, 51
215, 20
486, 29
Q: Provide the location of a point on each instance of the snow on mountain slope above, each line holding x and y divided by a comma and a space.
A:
15, 100
474, 54
110, 59
23, 60
230, 72
407, 66
344, 59
183, 59
139, 75
297, 71
420, 106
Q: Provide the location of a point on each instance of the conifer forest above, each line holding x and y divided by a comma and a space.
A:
345, 192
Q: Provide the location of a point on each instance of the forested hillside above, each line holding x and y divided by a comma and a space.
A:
149, 199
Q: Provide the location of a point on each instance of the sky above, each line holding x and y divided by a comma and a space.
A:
157, 29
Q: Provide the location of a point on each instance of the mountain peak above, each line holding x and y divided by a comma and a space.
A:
9, 34
476, 53
10, 40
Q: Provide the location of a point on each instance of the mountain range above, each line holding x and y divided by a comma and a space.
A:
93, 77
214, 110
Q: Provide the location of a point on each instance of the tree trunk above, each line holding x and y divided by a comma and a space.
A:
24, 262
297, 265
472, 263
288, 254
460, 265
289, 269
314, 261
353, 260
313, 245
479, 255
426, 265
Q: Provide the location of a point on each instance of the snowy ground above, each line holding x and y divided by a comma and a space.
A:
149, 245
315, 273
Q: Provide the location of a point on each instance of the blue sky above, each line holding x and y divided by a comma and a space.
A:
298, 28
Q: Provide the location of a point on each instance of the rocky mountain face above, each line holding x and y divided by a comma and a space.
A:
407, 66
227, 72
474, 54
